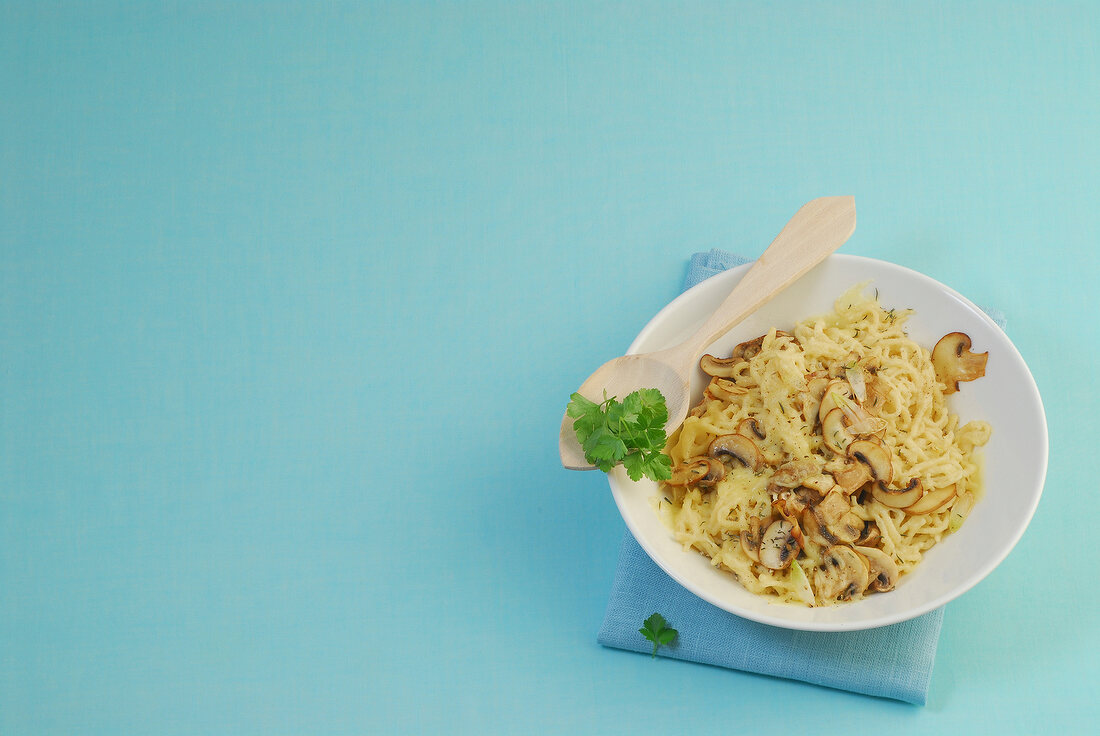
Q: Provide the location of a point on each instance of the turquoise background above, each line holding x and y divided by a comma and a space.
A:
292, 297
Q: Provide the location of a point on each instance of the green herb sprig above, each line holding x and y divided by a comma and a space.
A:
657, 631
631, 432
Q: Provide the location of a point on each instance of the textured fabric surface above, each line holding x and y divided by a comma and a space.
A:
892, 661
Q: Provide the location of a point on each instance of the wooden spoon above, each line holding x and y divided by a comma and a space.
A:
816, 230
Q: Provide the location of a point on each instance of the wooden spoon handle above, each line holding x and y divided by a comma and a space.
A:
820, 227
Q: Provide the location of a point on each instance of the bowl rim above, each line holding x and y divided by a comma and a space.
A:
734, 275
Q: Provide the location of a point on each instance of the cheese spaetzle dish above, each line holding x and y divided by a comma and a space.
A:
822, 463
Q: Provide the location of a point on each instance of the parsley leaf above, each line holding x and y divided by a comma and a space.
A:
631, 432
657, 631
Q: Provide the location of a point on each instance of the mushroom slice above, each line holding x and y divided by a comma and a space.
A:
793, 503
791, 474
843, 573
718, 367
807, 496
876, 457
870, 536
723, 389
829, 398
813, 530
834, 433
811, 399
932, 500
750, 539
737, 446
853, 476
821, 482
748, 349
778, 545
898, 498
884, 571
876, 399
832, 507
715, 473
789, 510
954, 362
750, 428
837, 521
701, 471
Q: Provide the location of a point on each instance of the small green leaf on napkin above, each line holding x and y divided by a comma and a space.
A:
657, 631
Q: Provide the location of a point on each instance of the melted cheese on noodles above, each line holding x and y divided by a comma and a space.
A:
864, 342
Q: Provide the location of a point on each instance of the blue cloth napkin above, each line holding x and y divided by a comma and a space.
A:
891, 662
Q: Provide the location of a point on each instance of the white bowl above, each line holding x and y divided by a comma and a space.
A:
1015, 459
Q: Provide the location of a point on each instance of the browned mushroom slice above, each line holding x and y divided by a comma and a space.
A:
932, 500
870, 536
750, 539
875, 456
701, 471
807, 496
748, 349
715, 473
781, 507
778, 545
954, 362
834, 432
898, 498
876, 398
853, 476
837, 521
812, 529
783, 333
750, 428
688, 472
842, 574
883, 571
719, 367
792, 503
833, 506
791, 474
723, 389
821, 482
789, 508
737, 446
